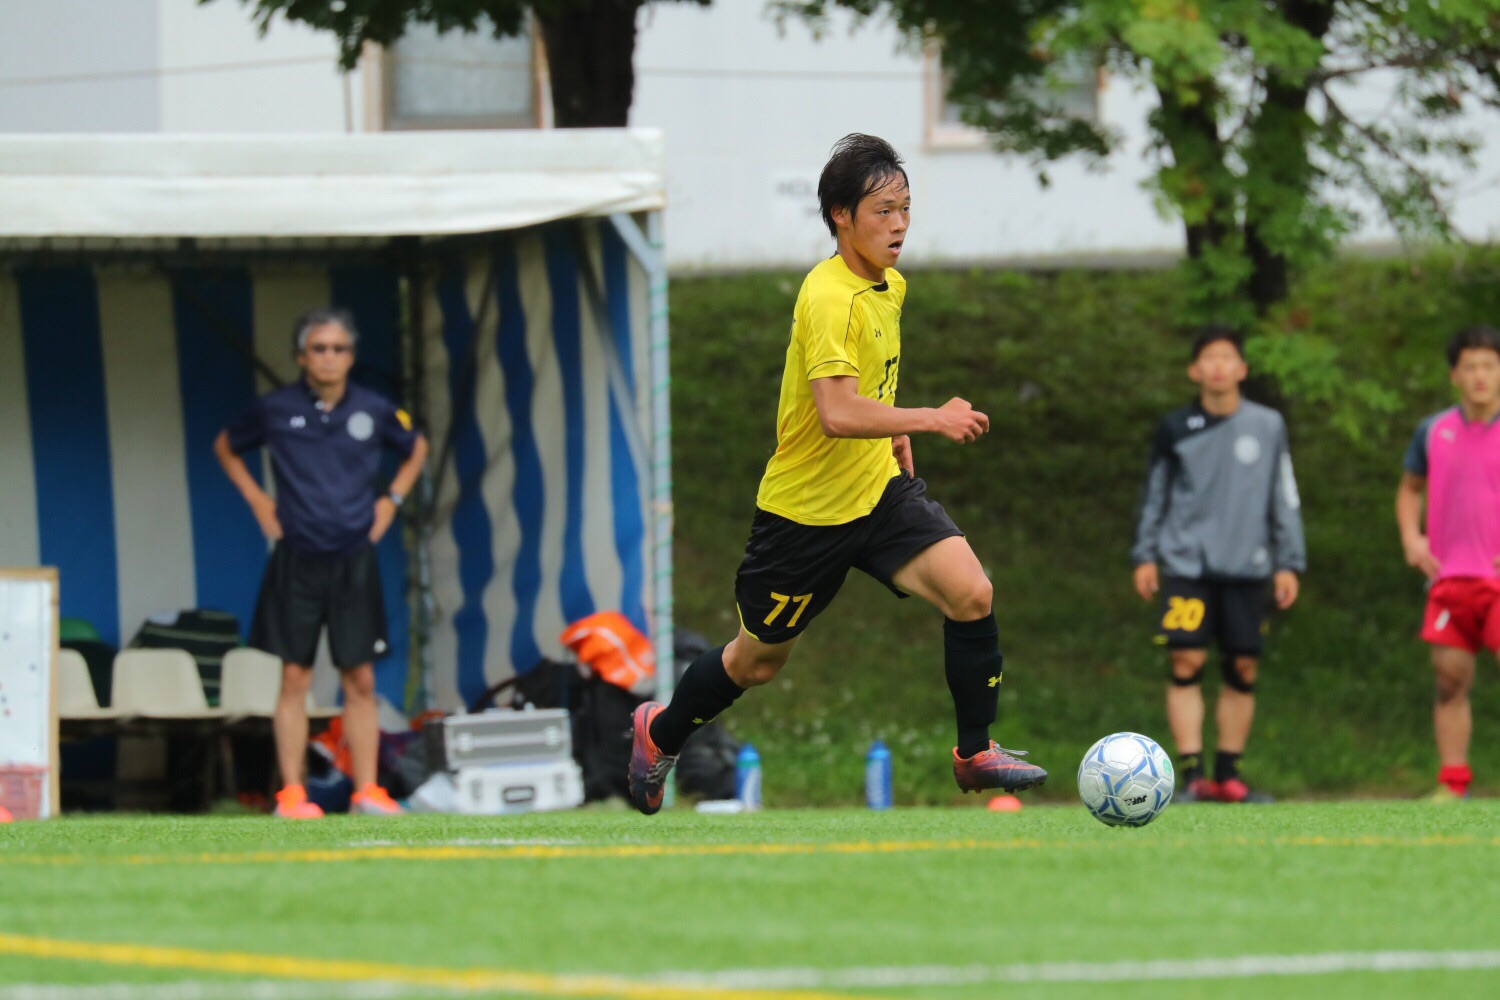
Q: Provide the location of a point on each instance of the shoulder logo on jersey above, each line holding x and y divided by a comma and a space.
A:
1447, 434
404, 419
298, 422
1246, 449
877, 331
361, 425
1197, 422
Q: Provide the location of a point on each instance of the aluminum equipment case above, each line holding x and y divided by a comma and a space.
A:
499, 736
507, 761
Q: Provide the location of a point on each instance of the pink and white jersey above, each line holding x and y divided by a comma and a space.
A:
1461, 463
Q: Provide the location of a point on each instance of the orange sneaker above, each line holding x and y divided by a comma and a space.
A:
996, 768
291, 803
372, 800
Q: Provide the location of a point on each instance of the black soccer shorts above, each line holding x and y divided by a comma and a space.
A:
1230, 614
792, 571
300, 594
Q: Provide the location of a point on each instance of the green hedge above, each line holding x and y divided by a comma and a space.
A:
1074, 368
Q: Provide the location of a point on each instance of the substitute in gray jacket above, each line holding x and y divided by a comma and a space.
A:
1220, 520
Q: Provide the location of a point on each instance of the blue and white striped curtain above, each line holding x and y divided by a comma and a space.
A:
115, 379
540, 516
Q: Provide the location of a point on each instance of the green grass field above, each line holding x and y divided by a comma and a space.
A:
1332, 900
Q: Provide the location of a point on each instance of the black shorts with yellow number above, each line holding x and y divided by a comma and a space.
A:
1228, 613
791, 571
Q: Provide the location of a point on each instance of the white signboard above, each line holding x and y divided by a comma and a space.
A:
28, 714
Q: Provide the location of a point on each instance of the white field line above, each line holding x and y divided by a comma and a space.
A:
264, 989
870, 977
1229, 967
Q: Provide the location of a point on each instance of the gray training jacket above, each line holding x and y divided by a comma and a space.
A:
1220, 500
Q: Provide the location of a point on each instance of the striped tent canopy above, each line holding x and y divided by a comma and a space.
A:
523, 353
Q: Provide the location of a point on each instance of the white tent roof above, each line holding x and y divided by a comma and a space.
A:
278, 186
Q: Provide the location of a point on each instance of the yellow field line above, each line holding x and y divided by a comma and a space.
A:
348, 970
442, 852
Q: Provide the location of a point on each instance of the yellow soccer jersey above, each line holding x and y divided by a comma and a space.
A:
842, 325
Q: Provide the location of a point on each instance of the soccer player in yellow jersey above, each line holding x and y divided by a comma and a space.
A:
841, 491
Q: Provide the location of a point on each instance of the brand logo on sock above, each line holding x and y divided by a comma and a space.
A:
995, 680
697, 722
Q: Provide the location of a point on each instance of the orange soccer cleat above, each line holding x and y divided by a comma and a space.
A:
649, 767
995, 768
291, 803
372, 800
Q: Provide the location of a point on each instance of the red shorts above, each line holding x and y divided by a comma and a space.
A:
1463, 612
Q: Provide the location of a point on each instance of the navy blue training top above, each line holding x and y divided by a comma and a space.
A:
325, 462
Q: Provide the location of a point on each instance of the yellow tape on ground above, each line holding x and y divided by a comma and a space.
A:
470, 852
236, 963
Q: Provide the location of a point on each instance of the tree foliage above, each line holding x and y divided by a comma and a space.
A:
590, 44
1264, 138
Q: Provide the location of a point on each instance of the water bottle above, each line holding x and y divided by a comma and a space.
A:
878, 776
747, 777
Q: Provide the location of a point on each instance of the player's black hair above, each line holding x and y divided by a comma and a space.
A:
1212, 334
1472, 338
857, 166
319, 317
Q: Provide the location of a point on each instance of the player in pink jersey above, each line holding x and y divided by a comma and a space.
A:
1453, 469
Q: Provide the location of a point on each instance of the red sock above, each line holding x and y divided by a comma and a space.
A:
1456, 777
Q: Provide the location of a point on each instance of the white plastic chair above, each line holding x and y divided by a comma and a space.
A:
160, 684
76, 700
251, 683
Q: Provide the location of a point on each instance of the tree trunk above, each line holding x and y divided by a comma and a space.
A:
1279, 153
591, 59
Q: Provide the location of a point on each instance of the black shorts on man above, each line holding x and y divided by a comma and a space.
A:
1231, 614
300, 594
792, 571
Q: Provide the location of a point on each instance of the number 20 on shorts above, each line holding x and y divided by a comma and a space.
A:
1184, 614
782, 600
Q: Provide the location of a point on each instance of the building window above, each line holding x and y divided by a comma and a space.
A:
461, 80
1076, 89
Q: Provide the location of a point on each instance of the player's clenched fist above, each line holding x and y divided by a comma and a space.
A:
958, 421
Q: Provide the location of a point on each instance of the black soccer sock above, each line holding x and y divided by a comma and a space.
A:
1190, 766
973, 665
1226, 766
705, 690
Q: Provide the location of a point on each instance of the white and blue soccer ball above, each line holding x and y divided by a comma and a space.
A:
1126, 779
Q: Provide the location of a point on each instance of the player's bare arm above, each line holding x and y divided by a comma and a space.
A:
1285, 587
1411, 494
261, 504
401, 485
901, 449
1147, 580
844, 413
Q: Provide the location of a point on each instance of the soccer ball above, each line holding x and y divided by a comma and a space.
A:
1126, 779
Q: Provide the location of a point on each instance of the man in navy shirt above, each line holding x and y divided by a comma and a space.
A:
326, 436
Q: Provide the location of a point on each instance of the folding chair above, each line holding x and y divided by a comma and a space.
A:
160, 684
164, 691
76, 700
251, 684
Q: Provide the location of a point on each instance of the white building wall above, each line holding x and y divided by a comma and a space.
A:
78, 66
749, 108
218, 74
750, 112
